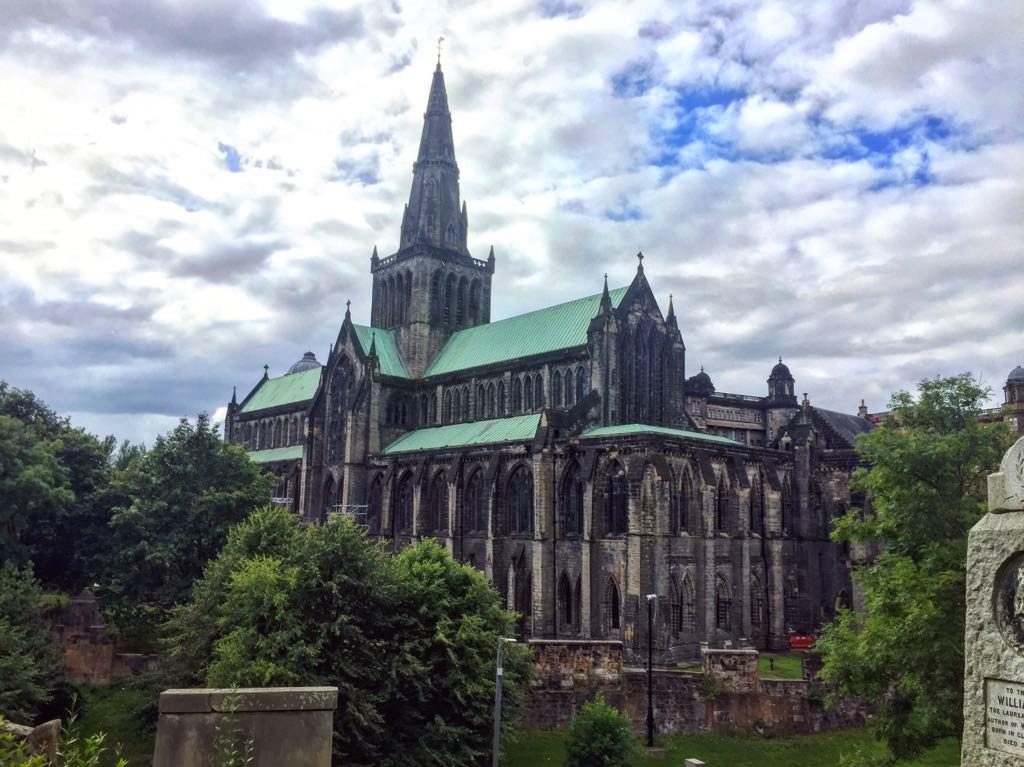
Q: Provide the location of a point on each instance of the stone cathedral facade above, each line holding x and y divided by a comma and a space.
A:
564, 452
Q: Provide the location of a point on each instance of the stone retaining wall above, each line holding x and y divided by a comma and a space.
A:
728, 696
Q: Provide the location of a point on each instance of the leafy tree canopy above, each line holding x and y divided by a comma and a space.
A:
178, 501
927, 465
409, 640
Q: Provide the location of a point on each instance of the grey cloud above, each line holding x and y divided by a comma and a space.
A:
235, 33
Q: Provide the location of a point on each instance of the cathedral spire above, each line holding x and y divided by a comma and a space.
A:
434, 215
670, 318
606, 299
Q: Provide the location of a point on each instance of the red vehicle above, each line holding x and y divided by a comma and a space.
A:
801, 641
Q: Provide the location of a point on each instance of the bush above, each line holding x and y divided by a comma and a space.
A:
599, 735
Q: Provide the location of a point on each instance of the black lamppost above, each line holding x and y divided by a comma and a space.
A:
652, 603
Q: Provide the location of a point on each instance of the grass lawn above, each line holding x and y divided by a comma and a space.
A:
546, 747
111, 709
787, 666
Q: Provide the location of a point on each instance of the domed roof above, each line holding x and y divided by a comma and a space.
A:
308, 362
1017, 374
700, 383
781, 371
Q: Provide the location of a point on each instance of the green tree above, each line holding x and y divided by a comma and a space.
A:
927, 465
599, 736
29, 667
179, 501
408, 640
55, 486
33, 483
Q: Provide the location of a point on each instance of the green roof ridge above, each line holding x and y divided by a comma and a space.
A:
520, 428
627, 429
550, 329
290, 453
288, 389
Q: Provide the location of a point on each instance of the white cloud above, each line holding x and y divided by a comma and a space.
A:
728, 142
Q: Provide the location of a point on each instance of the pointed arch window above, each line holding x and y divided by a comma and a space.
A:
556, 389
517, 395
757, 603
465, 404
581, 384
611, 607
688, 605
375, 505
475, 503
572, 501
566, 615
528, 393
789, 522
481, 402
449, 299
723, 604
402, 505
457, 405
438, 503
686, 508
501, 398
520, 501
538, 391
722, 505
491, 401
757, 505
446, 410
436, 296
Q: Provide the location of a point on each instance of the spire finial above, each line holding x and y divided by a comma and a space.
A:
640, 261
780, 359
266, 371
348, 309
439, 41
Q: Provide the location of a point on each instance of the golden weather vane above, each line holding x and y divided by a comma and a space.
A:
439, 41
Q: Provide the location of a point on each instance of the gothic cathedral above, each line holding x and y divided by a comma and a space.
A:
563, 452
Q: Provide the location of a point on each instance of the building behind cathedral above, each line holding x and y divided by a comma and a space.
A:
563, 452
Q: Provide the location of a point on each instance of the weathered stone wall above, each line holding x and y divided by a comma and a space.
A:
729, 696
278, 726
89, 649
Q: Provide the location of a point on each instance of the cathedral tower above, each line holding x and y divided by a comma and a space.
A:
431, 286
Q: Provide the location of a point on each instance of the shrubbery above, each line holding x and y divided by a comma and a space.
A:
600, 736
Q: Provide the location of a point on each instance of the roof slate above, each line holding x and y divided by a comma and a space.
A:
292, 453
545, 330
848, 427
390, 359
628, 429
284, 390
520, 428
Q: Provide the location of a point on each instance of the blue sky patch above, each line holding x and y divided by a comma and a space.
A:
232, 159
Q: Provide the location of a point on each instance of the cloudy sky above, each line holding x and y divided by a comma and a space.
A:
191, 190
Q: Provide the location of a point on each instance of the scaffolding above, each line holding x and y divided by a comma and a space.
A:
356, 512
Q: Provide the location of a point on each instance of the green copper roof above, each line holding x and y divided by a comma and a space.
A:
520, 428
545, 330
285, 390
628, 429
391, 363
292, 453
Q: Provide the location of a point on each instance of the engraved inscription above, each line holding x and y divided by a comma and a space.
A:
1004, 716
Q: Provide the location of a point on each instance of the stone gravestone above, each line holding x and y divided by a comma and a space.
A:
994, 651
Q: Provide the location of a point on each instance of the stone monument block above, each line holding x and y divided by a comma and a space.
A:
994, 639
277, 726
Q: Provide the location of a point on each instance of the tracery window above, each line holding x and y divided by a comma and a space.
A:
520, 501
438, 503
528, 393
611, 607
556, 389
723, 604
517, 395
538, 391
572, 501
402, 504
475, 503
581, 384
